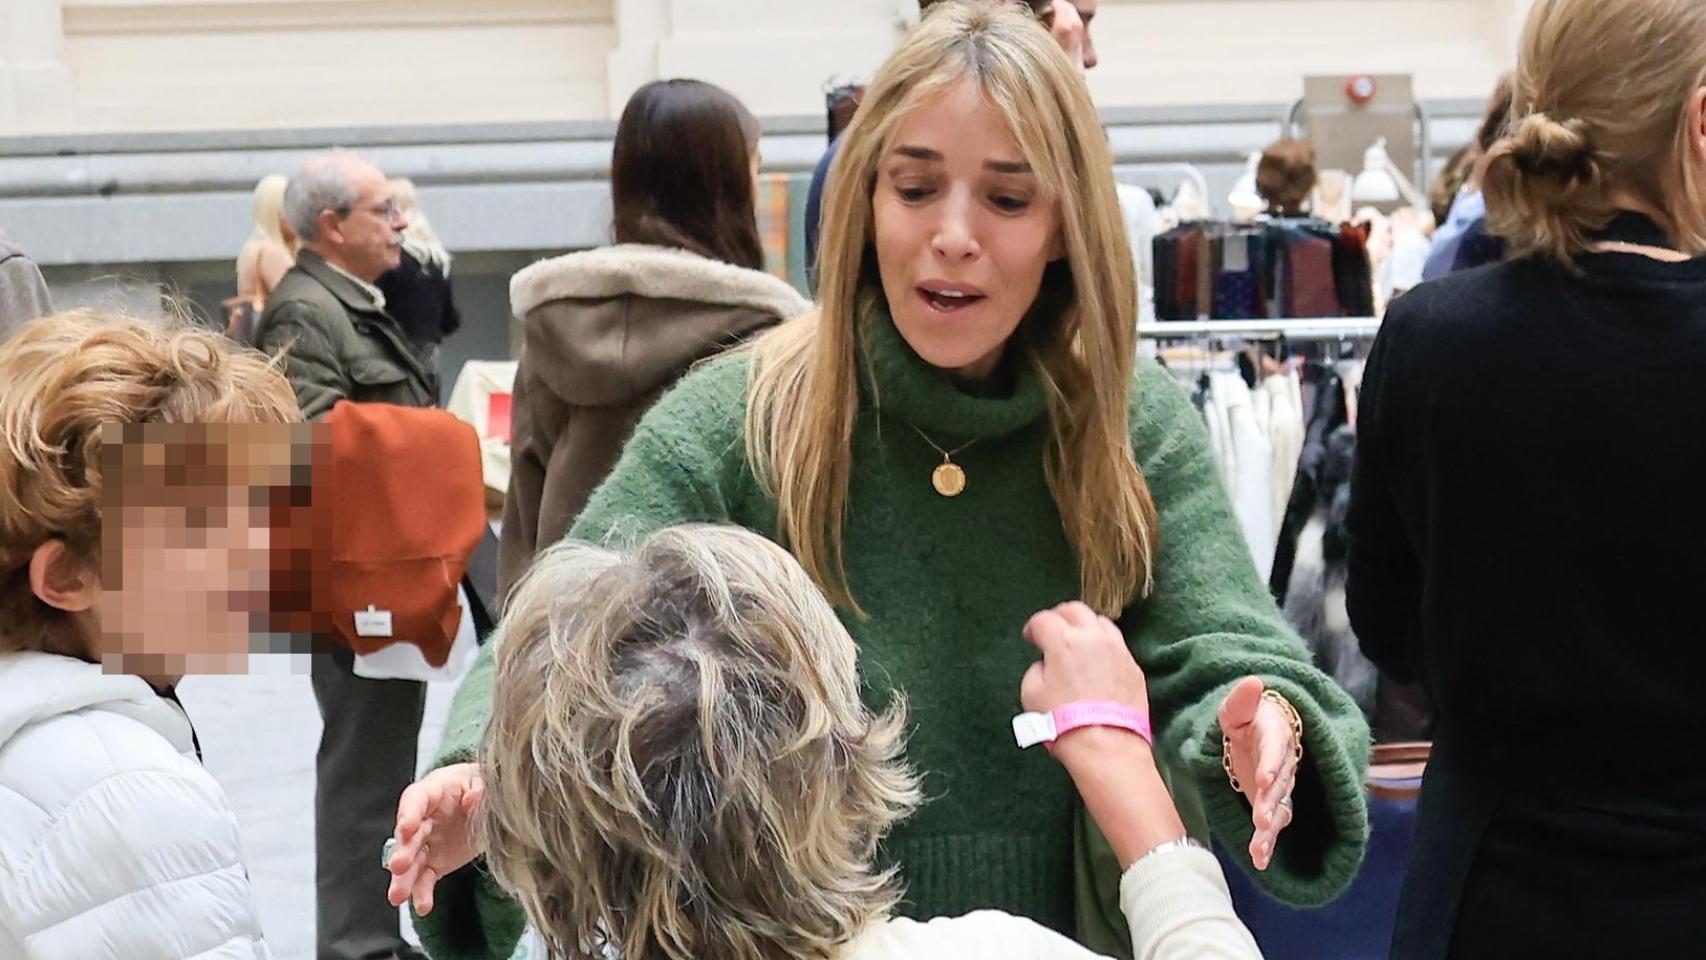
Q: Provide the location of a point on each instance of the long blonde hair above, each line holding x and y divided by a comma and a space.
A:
268, 207
1600, 94
419, 238
1080, 335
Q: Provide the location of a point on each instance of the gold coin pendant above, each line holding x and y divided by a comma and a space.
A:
949, 480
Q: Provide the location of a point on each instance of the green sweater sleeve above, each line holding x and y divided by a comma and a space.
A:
1211, 621
676, 468
1208, 623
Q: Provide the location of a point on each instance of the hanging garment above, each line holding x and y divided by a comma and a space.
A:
1252, 497
1219, 435
1313, 290
1237, 285
1279, 410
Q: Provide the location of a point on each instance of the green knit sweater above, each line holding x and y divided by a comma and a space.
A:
947, 585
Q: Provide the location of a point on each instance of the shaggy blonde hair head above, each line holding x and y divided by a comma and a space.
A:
1079, 335
1603, 90
69, 376
678, 763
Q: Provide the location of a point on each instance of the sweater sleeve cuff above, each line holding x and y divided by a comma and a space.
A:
1319, 855
472, 919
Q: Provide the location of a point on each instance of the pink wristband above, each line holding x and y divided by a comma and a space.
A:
1030, 729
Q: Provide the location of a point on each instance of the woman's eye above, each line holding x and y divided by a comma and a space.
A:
1009, 204
912, 194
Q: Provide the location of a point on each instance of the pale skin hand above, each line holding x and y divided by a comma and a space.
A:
435, 833
1262, 760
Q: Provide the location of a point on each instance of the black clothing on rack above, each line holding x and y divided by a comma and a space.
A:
1528, 537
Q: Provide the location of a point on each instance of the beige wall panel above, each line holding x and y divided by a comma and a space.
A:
164, 65
1258, 51
192, 64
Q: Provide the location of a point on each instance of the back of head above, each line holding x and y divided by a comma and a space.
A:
681, 172
678, 763
268, 206
1600, 98
1285, 175
1496, 116
66, 375
323, 183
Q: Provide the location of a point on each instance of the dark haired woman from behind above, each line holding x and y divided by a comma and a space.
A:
608, 330
1528, 536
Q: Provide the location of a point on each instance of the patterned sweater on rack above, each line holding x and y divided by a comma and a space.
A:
948, 585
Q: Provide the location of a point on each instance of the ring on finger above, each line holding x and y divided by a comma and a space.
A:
1285, 802
386, 851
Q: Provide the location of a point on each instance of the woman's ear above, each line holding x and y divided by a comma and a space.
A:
1697, 125
62, 581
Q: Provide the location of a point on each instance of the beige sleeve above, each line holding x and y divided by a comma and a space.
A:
1179, 909
983, 935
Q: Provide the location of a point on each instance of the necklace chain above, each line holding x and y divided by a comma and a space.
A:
947, 455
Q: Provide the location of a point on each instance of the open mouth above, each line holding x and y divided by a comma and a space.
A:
949, 300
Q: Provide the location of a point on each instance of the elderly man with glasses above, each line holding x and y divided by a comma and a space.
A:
328, 321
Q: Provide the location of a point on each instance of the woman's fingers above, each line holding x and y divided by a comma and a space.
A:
424, 885
401, 883
1238, 710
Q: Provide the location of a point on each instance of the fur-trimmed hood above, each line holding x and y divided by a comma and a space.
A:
642, 270
605, 326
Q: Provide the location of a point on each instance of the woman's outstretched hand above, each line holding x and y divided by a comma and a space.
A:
435, 833
1263, 752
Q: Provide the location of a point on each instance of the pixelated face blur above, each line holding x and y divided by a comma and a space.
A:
186, 537
963, 231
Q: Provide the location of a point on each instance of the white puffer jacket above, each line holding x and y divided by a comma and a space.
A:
115, 844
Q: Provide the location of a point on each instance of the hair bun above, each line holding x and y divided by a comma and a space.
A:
1562, 151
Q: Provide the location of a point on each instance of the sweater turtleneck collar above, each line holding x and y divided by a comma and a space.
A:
899, 383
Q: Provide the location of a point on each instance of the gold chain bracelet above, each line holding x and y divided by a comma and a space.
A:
1296, 737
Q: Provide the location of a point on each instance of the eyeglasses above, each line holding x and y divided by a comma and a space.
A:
387, 211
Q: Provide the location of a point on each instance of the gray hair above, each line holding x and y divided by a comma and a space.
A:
323, 183
678, 762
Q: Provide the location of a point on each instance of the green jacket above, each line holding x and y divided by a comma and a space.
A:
338, 345
948, 584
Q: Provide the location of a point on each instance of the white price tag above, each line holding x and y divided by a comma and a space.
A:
372, 623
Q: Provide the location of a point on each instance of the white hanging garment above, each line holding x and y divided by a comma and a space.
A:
1251, 486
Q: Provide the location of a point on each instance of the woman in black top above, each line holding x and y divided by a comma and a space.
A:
1528, 527
417, 293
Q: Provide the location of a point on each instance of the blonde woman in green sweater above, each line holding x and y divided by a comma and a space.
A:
959, 437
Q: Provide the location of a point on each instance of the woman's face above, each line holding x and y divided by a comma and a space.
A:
963, 232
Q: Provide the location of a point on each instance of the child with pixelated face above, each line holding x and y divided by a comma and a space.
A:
141, 465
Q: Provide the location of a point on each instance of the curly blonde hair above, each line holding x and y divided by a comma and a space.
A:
678, 763
65, 377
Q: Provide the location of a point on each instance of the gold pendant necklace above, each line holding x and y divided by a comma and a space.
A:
949, 478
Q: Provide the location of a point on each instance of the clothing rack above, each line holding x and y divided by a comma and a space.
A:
1312, 328
1130, 173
